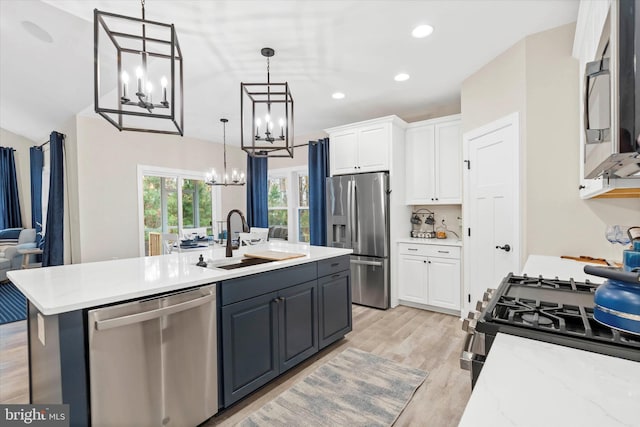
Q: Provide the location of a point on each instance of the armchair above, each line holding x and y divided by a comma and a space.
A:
10, 258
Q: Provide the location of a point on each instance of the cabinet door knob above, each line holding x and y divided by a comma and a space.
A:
424, 262
505, 248
581, 187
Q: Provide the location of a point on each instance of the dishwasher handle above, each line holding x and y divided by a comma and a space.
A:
102, 325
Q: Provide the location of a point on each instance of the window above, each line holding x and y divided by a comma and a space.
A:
172, 201
288, 202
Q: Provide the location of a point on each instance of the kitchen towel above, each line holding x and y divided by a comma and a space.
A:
355, 388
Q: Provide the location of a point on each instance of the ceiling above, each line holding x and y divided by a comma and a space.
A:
322, 46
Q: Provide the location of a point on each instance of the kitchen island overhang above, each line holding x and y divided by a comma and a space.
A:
61, 297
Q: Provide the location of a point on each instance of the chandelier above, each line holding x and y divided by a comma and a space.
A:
237, 178
150, 51
260, 105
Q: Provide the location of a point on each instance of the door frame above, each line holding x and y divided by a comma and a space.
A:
512, 120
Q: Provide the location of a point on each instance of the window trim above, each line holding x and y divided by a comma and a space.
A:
180, 175
293, 219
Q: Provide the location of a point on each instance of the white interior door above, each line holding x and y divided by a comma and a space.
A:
492, 211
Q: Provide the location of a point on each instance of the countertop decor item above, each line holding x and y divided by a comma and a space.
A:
237, 178
269, 102
353, 388
150, 50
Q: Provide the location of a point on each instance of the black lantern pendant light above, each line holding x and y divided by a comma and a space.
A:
266, 112
150, 51
236, 178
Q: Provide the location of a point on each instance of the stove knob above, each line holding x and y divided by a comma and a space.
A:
486, 297
480, 305
469, 325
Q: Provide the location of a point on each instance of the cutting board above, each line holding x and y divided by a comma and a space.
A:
274, 255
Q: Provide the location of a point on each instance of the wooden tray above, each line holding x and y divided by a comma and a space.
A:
274, 255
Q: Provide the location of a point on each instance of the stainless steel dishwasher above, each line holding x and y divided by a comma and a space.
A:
154, 362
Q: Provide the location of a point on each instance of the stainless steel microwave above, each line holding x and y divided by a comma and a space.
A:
612, 98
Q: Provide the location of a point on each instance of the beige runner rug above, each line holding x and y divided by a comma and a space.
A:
355, 388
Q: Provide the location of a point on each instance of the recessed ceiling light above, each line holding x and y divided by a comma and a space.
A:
338, 95
37, 31
422, 31
401, 77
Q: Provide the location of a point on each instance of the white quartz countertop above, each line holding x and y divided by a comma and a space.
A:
526, 382
444, 242
60, 289
554, 266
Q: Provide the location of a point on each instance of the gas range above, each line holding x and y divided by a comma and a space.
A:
544, 309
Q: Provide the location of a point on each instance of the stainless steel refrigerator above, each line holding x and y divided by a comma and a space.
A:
358, 218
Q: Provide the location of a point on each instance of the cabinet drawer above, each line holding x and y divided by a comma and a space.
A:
430, 250
333, 265
246, 287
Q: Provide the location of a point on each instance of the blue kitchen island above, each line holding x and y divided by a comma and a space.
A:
161, 341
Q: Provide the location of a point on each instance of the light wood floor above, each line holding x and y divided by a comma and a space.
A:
422, 339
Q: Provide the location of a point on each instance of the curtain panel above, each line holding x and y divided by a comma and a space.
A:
318, 173
257, 189
53, 251
10, 216
36, 157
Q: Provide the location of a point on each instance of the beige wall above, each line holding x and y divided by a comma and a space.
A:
23, 170
107, 161
538, 78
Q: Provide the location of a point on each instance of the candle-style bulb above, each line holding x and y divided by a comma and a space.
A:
163, 83
139, 74
281, 122
125, 80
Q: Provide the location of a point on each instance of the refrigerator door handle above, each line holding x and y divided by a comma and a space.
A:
102, 325
350, 220
354, 209
373, 263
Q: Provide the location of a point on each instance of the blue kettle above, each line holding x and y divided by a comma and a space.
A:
617, 300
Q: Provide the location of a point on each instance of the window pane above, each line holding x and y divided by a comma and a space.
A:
152, 207
170, 212
303, 225
278, 217
277, 192
205, 208
188, 213
303, 191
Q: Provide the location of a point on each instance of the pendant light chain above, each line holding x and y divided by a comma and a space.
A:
224, 140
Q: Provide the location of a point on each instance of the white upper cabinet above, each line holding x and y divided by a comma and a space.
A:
362, 147
434, 162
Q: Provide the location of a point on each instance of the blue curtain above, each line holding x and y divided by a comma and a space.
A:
53, 252
37, 162
257, 188
318, 172
9, 200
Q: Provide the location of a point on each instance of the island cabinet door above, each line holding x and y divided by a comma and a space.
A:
249, 345
334, 294
298, 306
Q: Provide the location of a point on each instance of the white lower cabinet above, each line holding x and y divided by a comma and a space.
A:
429, 275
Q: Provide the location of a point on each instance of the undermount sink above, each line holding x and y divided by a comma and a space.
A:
233, 263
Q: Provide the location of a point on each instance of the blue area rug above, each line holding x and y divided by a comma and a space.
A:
13, 305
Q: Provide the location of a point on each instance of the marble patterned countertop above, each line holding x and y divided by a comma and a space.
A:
526, 383
60, 289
